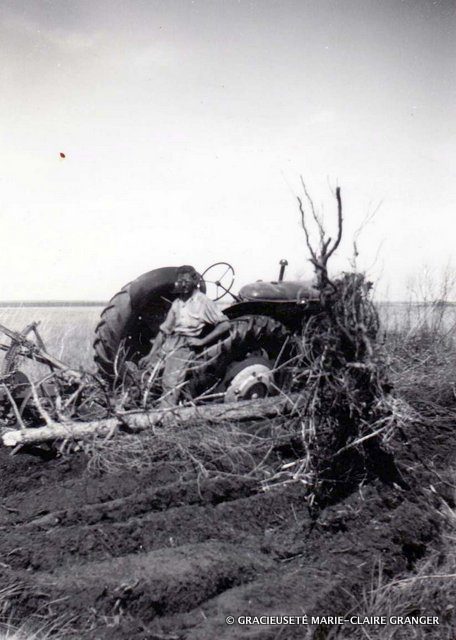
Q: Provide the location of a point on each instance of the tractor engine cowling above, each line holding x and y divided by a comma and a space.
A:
288, 291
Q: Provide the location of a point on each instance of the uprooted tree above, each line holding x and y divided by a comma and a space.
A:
348, 415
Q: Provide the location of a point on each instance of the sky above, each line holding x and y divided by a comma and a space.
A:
186, 126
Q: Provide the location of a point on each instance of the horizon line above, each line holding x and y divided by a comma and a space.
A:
53, 303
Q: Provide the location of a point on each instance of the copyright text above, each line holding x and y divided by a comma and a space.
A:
332, 620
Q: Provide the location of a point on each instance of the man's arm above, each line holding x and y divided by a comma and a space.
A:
217, 331
156, 345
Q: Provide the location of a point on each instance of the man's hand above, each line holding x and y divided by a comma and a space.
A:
70, 376
196, 342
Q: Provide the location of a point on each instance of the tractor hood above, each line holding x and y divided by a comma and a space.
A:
286, 291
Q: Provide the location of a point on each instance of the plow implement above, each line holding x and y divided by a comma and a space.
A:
27, 402
22, 347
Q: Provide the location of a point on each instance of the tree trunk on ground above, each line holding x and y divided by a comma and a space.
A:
140, 421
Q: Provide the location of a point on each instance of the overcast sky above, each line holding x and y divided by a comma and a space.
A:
186, 125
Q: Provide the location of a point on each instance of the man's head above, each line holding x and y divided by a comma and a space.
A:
187, 280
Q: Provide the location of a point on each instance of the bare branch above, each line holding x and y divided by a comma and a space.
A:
339, 224
36, 401
316, 217
370, 215
306, 231
16, 411
319, 259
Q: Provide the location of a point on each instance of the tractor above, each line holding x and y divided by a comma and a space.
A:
250, 361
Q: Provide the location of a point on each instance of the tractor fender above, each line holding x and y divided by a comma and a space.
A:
289, 313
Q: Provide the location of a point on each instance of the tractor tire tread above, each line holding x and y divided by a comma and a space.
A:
245, 331
109, 331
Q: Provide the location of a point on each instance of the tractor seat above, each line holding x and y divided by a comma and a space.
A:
286, 291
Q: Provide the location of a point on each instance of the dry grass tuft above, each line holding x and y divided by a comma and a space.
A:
27, 632
420, 339
430, 590
422, 355
37, 627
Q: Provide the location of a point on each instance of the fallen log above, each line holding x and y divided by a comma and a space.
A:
142, 420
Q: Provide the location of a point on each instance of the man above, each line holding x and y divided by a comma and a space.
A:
181, 333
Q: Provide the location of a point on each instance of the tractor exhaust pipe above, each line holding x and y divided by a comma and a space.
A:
283, 264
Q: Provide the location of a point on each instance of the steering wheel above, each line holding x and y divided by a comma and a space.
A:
220, 280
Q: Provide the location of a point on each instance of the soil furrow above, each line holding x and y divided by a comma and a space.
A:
206, 491
253, 518
51, 495
151, 584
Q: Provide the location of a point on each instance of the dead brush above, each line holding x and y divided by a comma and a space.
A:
227, 449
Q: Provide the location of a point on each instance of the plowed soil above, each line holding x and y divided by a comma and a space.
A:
151, 555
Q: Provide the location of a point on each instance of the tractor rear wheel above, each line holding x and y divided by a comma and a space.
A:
131, 320
111, 331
